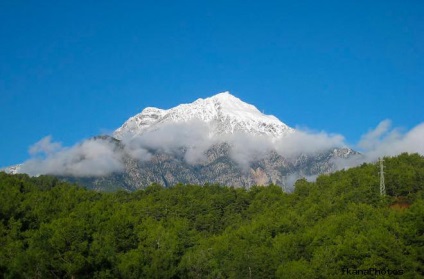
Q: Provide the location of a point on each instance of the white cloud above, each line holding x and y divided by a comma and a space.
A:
384, 140
45, 146
101, 157
89, 158
374, 137
307, 143
193, 136
247, 148
387, 141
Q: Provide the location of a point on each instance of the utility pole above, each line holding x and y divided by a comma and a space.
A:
382, 184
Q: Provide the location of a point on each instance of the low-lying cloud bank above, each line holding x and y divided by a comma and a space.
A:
387, 141
95, 157
89, 158
384, 140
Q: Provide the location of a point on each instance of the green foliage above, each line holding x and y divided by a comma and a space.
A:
53, 229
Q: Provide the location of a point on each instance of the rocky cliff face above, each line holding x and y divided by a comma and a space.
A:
170, 169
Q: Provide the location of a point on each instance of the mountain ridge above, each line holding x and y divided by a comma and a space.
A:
224, 111
219, 139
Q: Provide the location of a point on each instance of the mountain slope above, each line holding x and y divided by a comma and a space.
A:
224, 113
220, 139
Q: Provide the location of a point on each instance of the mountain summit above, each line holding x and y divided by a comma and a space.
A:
223, 113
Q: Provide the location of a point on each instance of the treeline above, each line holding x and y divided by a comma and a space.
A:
331, 228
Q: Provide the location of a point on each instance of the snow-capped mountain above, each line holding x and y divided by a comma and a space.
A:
223, 112
226, 114
235, 145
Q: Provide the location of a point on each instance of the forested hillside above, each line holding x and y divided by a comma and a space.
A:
332, 228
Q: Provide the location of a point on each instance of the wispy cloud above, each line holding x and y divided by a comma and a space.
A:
308, 142
45, 147
89, 158
193, 137
192, 140
387, 141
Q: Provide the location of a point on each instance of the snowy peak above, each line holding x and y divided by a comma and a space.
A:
138, 123
223, 112
233, 106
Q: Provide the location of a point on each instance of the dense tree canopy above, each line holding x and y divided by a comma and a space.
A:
330, 228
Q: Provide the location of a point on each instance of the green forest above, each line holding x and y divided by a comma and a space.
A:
336, 227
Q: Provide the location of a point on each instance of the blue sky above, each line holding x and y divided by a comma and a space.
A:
77, 69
